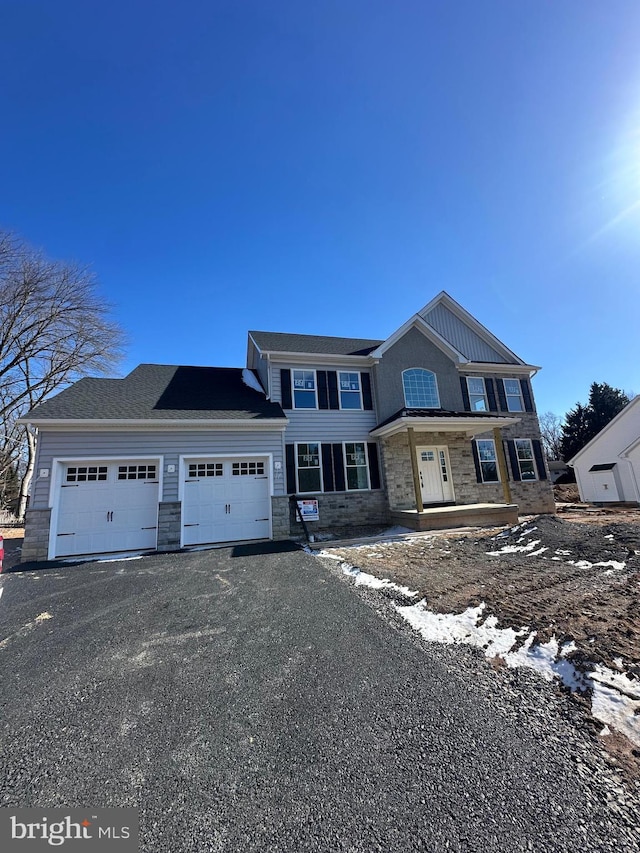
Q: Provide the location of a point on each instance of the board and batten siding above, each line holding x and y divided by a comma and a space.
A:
327, 425
168, 444
464, 339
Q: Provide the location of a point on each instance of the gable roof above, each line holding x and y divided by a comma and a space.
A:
283, 342
161, 392
623, 415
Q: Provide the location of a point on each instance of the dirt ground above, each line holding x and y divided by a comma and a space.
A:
560, 591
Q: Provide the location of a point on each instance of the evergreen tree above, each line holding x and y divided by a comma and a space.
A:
583, 423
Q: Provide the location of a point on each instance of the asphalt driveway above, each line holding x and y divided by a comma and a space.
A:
258, 702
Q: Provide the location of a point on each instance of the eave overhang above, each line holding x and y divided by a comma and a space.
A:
501, 367
128, 424
306, 358
470, 426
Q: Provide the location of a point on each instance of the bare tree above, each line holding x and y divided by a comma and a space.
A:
551, 433
54, 328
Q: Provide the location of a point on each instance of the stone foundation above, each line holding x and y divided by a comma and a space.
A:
169, 521
36, 535
337, 510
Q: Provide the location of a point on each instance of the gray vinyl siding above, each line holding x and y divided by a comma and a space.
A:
464, 339
323, 425
414, 350
170, 445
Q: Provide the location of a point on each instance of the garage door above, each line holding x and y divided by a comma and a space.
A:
225, 500
107, 506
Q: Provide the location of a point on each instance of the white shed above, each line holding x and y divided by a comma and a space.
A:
608, 467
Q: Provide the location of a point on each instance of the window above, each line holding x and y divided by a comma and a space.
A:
488, 460
205, 469
136, 472
244, 469
477, 394
308, 464
420, 389
513, 394
304, 389
355, 457
524, 453
87, 474
350, 397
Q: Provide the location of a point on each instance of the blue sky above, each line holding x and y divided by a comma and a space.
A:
328, 167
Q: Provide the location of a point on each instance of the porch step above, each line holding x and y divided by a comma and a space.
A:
468, 515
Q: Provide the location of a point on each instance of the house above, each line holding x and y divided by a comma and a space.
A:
608, 467
434, 426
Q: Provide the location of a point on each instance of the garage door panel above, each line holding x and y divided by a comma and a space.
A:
102, 509
229, 500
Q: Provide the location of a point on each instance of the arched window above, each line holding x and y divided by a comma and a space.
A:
420, 389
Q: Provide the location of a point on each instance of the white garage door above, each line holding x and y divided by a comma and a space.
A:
107, 507
225, 500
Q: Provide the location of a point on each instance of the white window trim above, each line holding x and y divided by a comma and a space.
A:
293, 390
533, 460
359, 392
404, 393
309, 468
366, 463
472, 394
506, 395
495, 453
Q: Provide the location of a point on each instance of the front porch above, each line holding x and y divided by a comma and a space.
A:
467, 515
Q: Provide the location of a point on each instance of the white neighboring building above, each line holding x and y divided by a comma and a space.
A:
608, 467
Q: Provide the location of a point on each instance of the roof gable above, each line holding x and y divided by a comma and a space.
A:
463, 332
627, 423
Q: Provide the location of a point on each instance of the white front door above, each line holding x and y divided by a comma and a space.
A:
435, 477
107, 506
225, 500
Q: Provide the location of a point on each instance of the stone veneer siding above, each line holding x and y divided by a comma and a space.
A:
169, 522
36, 535
531, 497
338, 510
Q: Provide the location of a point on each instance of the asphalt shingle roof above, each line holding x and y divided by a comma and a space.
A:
162, 392
283, 342
440, 413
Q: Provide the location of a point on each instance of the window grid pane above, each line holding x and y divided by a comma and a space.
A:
308, 458
524, 451
349, 390
304, 389
420, 389
488, 460
356, 466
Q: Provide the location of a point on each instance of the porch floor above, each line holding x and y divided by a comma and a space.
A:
467, 515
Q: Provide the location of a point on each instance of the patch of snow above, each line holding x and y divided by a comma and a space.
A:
618, 662
562, 552
610, 536
539, 551
249, 379
605, 731
365, 579
615, 697
513, 549
585, 564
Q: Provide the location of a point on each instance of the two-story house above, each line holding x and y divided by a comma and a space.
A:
433, 426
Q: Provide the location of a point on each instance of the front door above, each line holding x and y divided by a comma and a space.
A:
435, 477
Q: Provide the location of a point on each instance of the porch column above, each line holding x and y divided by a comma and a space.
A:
502, 465
414, 468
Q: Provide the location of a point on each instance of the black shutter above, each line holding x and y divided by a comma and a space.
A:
323, 392
327, 469
502, 397
290, 457
513, 457
465, 394
367, 399
526, 395
338, 467
491, 395
537, 452
374, 468
476, 461
285, 388
332, 380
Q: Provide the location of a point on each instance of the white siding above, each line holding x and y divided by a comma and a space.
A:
169, 444
460, 335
